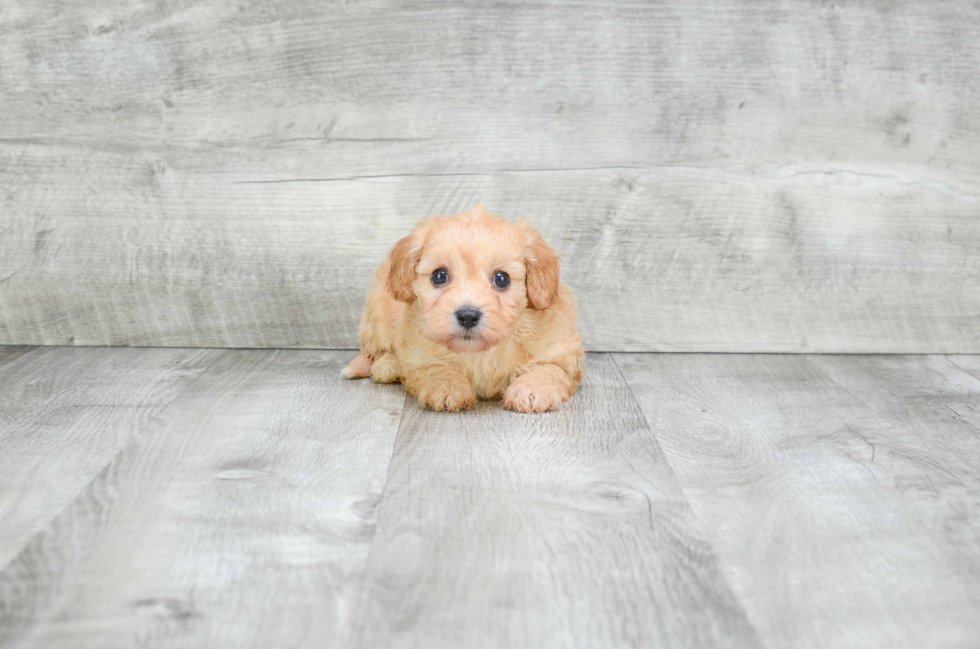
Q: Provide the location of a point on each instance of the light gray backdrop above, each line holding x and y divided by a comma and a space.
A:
718, 176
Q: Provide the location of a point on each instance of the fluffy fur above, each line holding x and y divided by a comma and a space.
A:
525, 348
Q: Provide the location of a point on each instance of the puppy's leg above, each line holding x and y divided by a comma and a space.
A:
540, 389
440, 387
358, 368
385, 369
376, 339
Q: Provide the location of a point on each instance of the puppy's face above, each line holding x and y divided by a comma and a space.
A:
473, 275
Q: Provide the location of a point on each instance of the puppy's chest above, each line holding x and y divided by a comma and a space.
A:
491, 371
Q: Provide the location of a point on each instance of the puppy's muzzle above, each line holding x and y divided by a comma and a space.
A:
468, 317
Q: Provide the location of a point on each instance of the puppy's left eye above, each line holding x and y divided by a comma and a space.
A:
501, 279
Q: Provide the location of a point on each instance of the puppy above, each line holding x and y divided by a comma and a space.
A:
470, 306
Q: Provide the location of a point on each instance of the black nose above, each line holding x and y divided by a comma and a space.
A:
468, 317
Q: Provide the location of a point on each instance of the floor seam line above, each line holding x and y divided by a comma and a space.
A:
960, 367
701, 522
357, 625
639, 409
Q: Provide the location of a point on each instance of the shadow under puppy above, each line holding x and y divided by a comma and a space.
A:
470, 306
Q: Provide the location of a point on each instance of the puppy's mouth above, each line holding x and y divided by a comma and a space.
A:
468, 342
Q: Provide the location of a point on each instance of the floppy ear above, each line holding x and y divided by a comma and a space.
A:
404, 257
543, 270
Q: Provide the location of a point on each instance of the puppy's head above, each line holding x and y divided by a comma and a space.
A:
473, 275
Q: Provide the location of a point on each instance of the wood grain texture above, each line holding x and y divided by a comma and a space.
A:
65, 413
722, 176
841, 492
566, 529
970, 365
240, 517
916, 390
11, 352
676, 500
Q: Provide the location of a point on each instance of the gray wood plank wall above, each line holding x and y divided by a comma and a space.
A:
719, 176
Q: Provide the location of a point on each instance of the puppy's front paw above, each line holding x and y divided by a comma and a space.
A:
447, 396
531, 396
385, 369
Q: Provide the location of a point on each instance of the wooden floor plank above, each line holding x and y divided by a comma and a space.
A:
747, 500
841, 495
565, 529
240, 517
65, 413
927, 394
967, 363
971, 366
8, 353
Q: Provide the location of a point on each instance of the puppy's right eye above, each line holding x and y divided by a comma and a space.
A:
440, 276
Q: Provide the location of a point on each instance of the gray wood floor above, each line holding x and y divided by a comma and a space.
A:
207, 498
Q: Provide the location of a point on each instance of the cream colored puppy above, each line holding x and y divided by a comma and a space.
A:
470, 306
